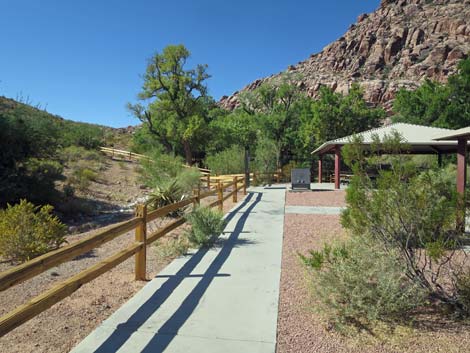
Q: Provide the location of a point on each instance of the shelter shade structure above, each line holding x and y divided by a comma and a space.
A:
420, 140
461, 136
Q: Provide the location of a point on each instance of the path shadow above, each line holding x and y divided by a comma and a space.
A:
170, 328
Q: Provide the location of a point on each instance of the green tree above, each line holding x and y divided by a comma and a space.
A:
277, 107
177, 112
335, 115
437, 104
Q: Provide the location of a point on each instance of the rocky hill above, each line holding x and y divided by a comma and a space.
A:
398, 45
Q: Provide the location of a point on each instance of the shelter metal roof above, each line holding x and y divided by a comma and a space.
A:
454, 134
421, 139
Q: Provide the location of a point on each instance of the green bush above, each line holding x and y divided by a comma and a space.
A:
357, 283
410, 213
76, 153
169, 179
27, 231
229, 161
206, 225
82, 177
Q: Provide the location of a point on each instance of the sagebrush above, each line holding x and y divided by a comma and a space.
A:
357, 283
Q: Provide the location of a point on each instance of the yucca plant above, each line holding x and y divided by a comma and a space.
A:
166, 194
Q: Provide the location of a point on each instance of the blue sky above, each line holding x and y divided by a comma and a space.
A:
84, 59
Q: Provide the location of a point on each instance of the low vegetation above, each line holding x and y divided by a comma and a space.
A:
169, 179
406, 249
27, 231
206, 225
356, 283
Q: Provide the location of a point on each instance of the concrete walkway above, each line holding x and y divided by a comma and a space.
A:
223, 299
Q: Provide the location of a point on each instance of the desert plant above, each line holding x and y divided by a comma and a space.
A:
82, 177
76, 153
27, 231
172, 248
229, 161
463, 291
410, 213
357, 283
206, 225
165, 194
169, 179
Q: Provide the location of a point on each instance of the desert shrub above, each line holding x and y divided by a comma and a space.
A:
77, 153
463, 291
206, 225
412, 214
169, 179
172, 248
82, 177
38, 179
357, 283
84, 135
229, 161
27, 231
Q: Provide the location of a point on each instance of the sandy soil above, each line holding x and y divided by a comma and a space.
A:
302, 330
61, 327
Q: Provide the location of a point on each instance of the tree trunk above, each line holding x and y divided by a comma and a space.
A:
247, 166
187, 153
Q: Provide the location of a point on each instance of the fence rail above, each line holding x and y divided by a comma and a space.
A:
131, 156
63, 289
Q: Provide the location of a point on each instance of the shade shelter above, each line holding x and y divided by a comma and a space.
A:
420, 139
461, 137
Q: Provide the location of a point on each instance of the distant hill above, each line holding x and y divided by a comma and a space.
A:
398, 45
116, 137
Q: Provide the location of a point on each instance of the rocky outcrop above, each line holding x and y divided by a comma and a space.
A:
399, 45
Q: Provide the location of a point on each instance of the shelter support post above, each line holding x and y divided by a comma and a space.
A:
461, 181
337, 166
320, 168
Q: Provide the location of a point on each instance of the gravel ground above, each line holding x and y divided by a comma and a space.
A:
316, 198
61, 327
302, 330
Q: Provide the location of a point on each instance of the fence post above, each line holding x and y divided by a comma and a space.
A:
244, 185
235, 186
197, 195
220, 194
208, 181
141, 237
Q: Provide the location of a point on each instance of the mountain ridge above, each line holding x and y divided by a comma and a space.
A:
398, 45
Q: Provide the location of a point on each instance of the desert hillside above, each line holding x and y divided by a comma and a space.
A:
398, 45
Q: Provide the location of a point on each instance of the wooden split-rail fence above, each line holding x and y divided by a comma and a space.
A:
131, 156
38, 265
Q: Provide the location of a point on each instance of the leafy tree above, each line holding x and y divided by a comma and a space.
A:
177, 112
228, 161
335, 115
277, 107
437, 104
